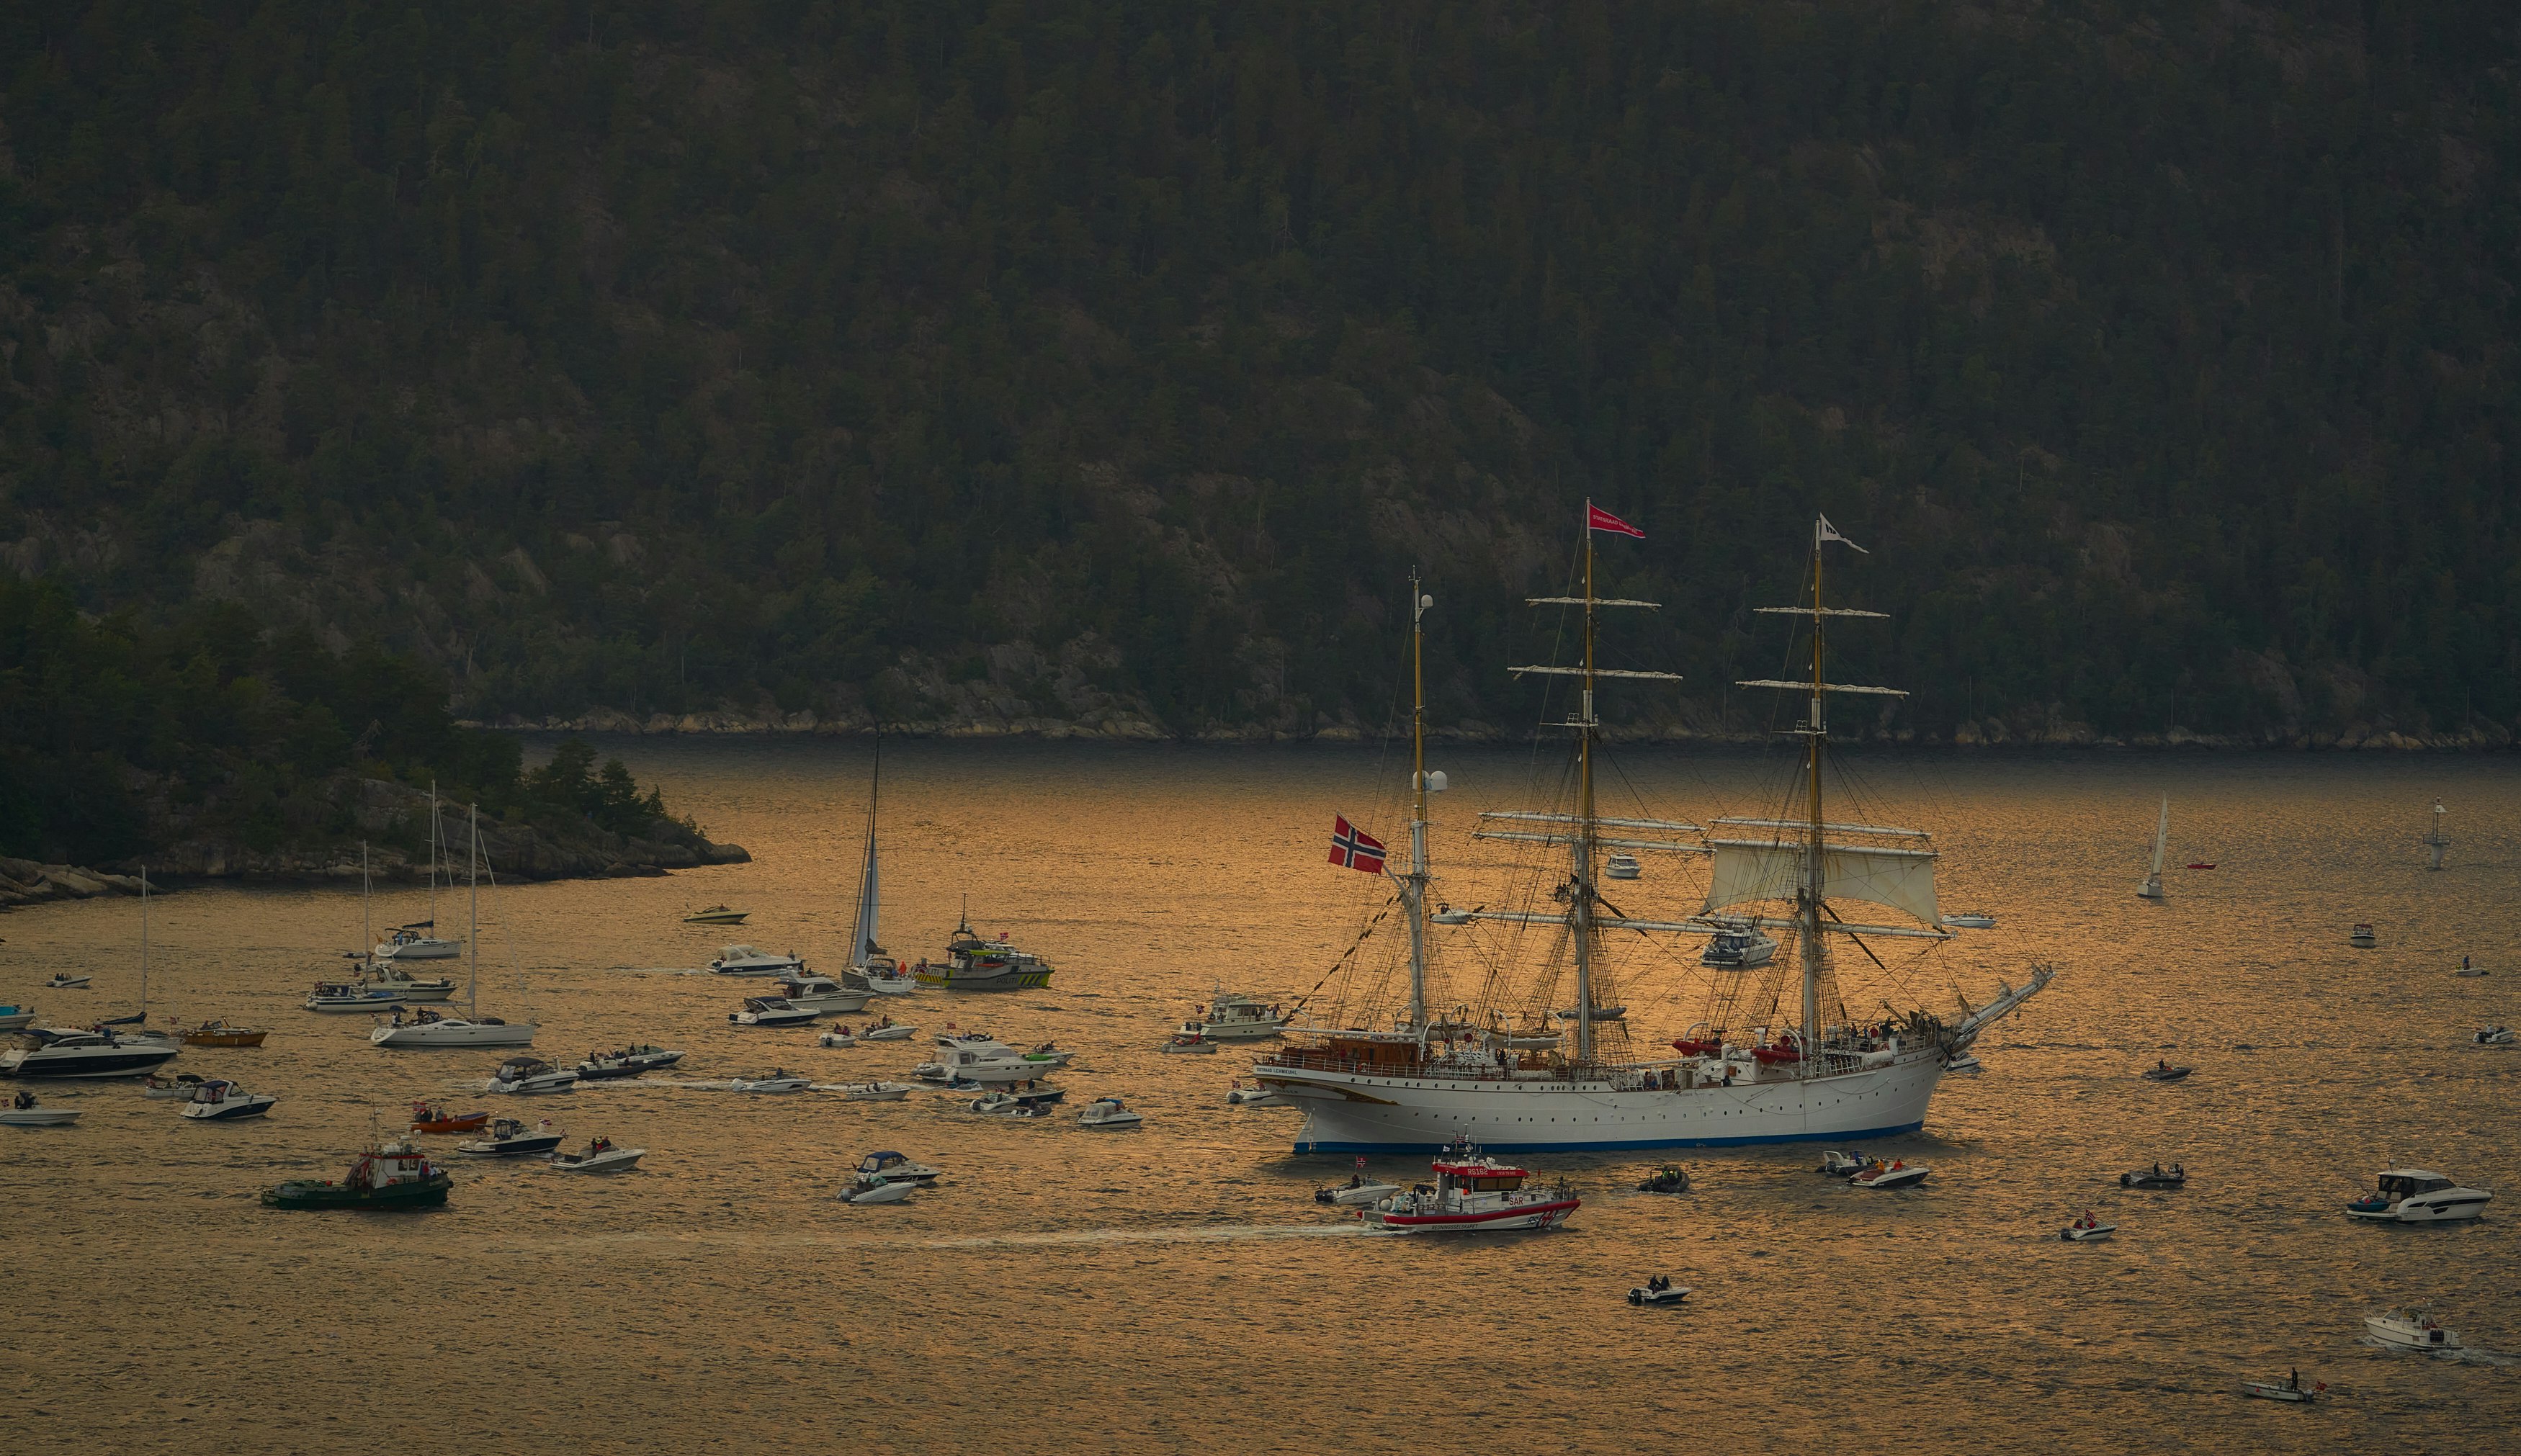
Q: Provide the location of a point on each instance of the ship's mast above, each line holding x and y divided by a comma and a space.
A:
1580, 910
472, 875
1816, 729
1413, 885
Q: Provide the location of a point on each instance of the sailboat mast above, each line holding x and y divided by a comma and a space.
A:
367, 934
1413, 885
473, 878
144, 947
432, 857
863, 939
1579, 911
1814, 867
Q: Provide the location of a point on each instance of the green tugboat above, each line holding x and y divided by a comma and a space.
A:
394, 1175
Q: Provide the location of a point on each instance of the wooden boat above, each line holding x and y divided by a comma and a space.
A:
221, 1034
437, 1120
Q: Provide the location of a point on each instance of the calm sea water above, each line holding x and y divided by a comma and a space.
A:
1175, 1286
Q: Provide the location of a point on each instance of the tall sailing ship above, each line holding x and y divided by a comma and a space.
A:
1564, 1079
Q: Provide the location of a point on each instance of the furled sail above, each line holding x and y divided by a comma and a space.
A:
865, 944
1747, 870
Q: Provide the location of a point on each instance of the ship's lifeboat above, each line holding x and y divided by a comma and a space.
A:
1691, 1048
1771, 1056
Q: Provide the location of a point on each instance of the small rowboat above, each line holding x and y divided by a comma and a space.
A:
31, 1115
2164, 1072
1650, 1295
877, 1091
64, 981
2287, 1391
425, 1118
221, 1034
2084, 1233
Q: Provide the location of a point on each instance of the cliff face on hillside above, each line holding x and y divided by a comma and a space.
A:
1107, 369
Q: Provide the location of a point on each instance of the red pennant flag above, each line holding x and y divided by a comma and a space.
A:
1597, 519
1353, 848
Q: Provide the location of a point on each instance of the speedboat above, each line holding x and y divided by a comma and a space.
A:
2086, 1229
978, 1059
744, 960
717, 915
1897, 1173
1836, 1164
221, 1034
1359, 1191
1252, 1095
56, 1053
430, 1119
2155, 1177
1621, 867
1965, 1064
352, 996
2415, 1196
407, 943
1007, 1104
600, 1156
2361, 937
179, 1088
1228, 1017
1107, 1111
1971, 920
1739, 949
407, 987
629, 1062
2164, 1072
820, 994
1659, 1290
1474, 1193
836, 1038
226, 1102
778, 1081
24, 1110
17, 1017
63, 981
430, 1029
868, 1189
510, 1138
1188, 1040
2494, 1036
887, 1030
2290, 1389
771, 1011
2415, 1330
525, 1076
1669, 1178
877, 1091
897, 1168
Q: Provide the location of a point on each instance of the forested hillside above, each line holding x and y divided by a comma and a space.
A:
929, 361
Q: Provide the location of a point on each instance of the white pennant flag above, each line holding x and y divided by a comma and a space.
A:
1823, 531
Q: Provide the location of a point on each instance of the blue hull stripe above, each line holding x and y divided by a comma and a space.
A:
1308, 1147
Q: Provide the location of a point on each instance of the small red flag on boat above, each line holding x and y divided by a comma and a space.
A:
1597, 519
1355, 848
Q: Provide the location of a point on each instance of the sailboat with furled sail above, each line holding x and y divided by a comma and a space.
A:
871, 970
2151, 889
1425, 1080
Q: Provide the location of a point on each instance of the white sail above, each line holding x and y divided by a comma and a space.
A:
864, 942
1748, 870
2161, 836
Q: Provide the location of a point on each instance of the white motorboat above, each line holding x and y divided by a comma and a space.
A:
1659, 1290
531, 1075
1622, 867
2416, 1195
1107, 1111
2415, 1330
2494, 1036
179, 1088
430, 1029
771, 1011
63, 981
779, 1081
600, 1156
24, 1111
744, 960
839, 1039
1239, 1094
57, 1053
226, 1102
1357, 1192
1965, 1064
2361, 937
406, 986
2086, 1229
352, 996
1007, 1104
1474, 1193
15, 1017
1742, 948
2290, 1389
882, 975
867, 1188
1228, 1017
897, 1168
877, 1091
978, 1059
1600, 1014
820, 994
629, 1062
2156, 1177
510, 1138
1899, 1172
1971, 920
1188, 1041
411, 942
887, 1030
1836, 1164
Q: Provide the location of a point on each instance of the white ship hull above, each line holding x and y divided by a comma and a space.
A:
1347, 1111
455, 1032
419, 951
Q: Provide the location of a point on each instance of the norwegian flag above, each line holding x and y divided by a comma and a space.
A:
1597, 519
1353, 848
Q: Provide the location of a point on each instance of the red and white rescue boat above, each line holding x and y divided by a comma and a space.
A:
1474, 1193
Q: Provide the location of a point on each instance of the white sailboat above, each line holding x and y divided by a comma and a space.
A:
2151, 889
1832, 1077
430, 1029
2436, 846
419, 940
871, 968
